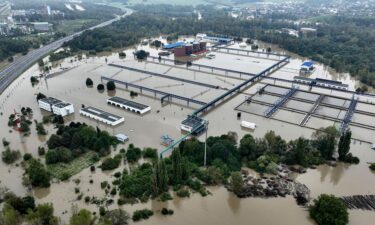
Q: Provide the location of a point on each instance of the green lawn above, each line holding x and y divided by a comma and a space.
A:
62, 171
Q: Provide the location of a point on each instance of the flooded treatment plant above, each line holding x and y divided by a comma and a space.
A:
162, 100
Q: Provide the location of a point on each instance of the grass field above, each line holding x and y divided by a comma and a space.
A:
63, 171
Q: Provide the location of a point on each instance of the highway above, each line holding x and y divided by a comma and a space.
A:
16, 68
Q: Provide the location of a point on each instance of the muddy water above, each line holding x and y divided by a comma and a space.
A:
220, 208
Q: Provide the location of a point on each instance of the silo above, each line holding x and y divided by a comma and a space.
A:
196, 47
180, 51
189, 49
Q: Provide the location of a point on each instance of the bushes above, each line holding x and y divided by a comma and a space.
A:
183, 193
329, 210
100, 87
142, 214
89, 82
59, 154
37, 174
138, 183
372, 166
111, 86
27, 156
150, 153
166, 211
133, 154
10, 156
111, 163
165, 197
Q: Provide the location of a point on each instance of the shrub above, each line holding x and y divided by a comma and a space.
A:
89, 82
10, 156
100, 87
372, 166
111, 86
183, 193
165, 197
41, 151
133, 154
59, 155
329, 210
103, 184
166, 211
102, 211
27, 156
150, 153
111, 163
142, 214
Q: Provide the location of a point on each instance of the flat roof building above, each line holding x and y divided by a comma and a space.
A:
101, 116
56, 106
129, 105
193, 124
321, 82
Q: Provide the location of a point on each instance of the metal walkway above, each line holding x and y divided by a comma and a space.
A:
164, 76
164, 95
312, 110
270, 111
249, 51
349, 115
212, 68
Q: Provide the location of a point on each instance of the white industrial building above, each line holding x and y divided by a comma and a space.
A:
63, 109
101, 116
56, 106
129, 105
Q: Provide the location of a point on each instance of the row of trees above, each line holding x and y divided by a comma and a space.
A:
342, 43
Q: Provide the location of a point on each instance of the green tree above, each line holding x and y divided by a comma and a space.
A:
236, 183
10, 216
117, 217
133, 154
100, 87
329, 210
160, 178
325, 141
176, 167
89, 82
344, 145
83, 217
42, 215
37, 174
10, 156
111, 86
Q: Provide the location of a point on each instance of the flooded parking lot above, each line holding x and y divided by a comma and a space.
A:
146, 130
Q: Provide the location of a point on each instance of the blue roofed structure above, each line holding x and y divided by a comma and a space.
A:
174, 45
308, 64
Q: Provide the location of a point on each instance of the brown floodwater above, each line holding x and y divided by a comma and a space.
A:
221, 207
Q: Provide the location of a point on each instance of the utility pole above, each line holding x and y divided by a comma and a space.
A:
205, 145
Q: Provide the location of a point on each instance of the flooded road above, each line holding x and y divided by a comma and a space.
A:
221, 207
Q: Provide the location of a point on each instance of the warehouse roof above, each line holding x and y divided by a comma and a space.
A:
129, 103
100, 113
